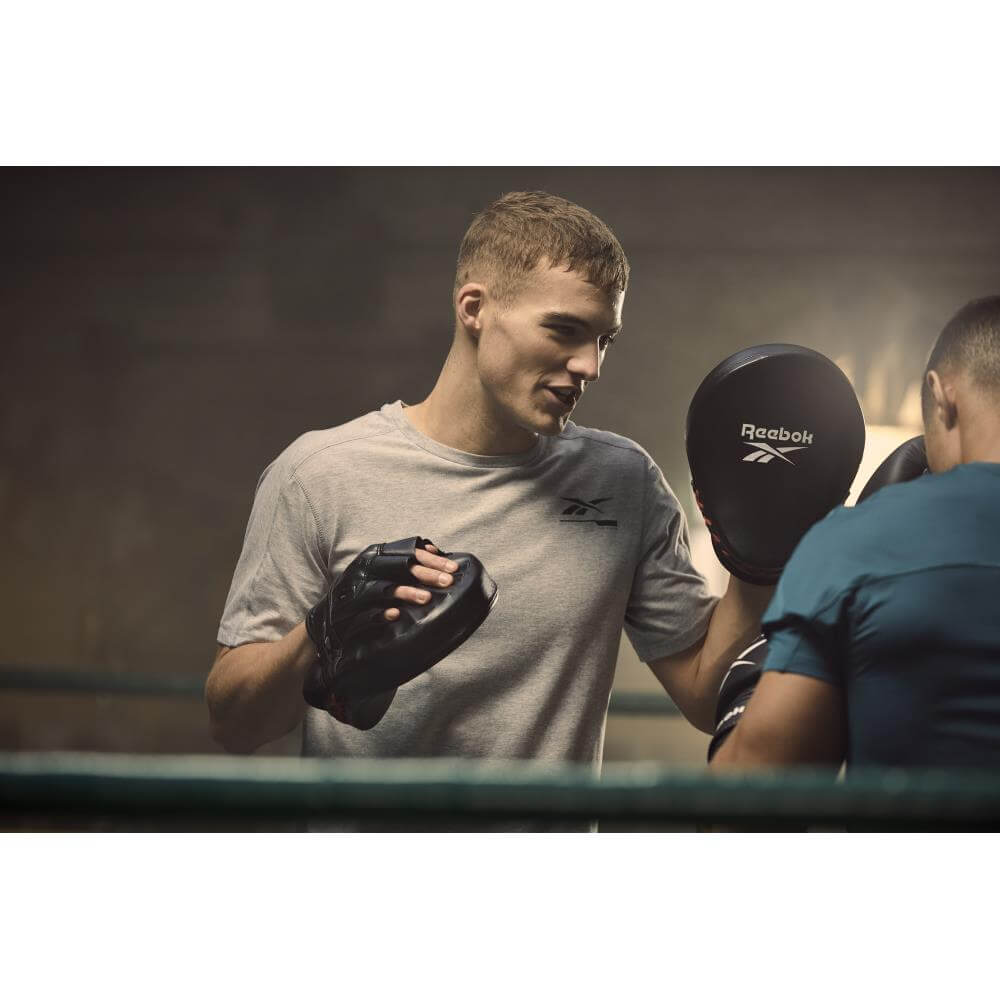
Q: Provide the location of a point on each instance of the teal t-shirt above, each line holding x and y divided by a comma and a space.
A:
897, 601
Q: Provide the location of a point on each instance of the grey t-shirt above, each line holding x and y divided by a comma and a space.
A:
581, 533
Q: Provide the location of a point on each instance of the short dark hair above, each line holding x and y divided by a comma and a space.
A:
969, 343
506, 240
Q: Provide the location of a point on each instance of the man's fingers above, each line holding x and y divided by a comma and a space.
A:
434, 561
433, 570
412, 595
432, 577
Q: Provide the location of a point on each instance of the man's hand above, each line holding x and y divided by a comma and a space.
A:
254, 691
433, 569
365, 648
430, 568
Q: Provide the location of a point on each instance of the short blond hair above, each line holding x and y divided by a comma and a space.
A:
506, 241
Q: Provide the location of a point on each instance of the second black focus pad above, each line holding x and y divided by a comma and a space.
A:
908, 461
774, 439
737, 686
360, 654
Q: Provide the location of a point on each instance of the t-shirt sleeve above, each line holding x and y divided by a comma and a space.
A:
669, 606
805, 623
281, 572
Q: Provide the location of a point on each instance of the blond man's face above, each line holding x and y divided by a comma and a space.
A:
540, 352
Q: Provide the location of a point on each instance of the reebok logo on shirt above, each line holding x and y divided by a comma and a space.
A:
577, 511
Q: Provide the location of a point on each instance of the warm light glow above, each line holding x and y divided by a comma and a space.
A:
704, 558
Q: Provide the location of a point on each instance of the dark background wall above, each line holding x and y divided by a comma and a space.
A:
166, 333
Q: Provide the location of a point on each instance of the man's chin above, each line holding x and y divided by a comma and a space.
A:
547, 424
540, 420
555, 428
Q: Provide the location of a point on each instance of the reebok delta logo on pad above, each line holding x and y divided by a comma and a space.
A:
764, 452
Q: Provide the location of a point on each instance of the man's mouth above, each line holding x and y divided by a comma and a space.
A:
566, 394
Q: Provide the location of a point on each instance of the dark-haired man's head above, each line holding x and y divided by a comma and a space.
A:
960, 395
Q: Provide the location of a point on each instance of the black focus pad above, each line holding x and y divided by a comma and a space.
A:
735, 691
360, 655
775, 435
908, 461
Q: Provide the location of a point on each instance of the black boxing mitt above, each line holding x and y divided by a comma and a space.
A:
361, 658
737, 686
774, 439
906, 462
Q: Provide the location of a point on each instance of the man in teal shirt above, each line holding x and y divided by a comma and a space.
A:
884, 631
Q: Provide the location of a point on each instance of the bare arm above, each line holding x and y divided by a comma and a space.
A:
254, 692
692, 677
791, 719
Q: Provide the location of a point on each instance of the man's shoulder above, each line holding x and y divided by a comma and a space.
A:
613, 447
842, 531
875, 538
879, 512
890, 512
315, 451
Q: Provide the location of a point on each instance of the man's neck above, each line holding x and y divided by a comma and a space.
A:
978, 429
981, 443
457, 414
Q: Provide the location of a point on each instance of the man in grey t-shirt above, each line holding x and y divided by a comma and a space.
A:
577, 526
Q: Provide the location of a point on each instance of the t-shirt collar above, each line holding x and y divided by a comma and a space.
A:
394, 413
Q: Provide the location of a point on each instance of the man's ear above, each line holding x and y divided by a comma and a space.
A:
469, 301
943, 394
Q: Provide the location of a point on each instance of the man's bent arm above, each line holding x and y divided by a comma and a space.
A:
792, 719
692, 677
254, 692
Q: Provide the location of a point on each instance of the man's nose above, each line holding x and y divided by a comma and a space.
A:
586, 363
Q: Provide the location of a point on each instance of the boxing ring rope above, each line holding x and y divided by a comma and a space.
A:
58, 679
190, 787
270, 788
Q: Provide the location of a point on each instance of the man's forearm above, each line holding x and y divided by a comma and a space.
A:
734, 624
254, 692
